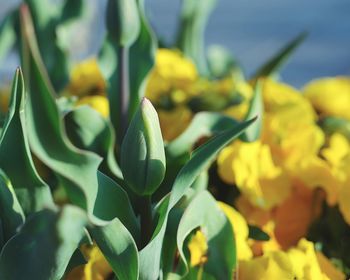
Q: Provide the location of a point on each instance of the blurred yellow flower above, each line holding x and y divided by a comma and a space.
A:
97, 102
198, 248
86, 79
240, 229
174, 122
250, 166
97, 267
172, 71
297, 263
330, 96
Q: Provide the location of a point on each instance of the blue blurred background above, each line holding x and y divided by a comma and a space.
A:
252, 29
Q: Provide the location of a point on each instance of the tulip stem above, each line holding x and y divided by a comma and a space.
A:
124, 91
146, 220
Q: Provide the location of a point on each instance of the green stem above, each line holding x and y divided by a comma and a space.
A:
124, 91
146, 220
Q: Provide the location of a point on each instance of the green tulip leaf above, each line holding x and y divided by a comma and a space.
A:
75, 169
200, 160
11, 213
274, 64
256, 108
119, 248
88, 130
204, 124
142, 54
7, 34
203, 212
15, 157
190, 37
44, 245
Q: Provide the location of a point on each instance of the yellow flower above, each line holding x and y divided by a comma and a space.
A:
174, 122
297, 263
330, 96
97, 267
4, 99
198, 248
250, 166
172, 71
97, 102
328, 268
240, 229
86, 79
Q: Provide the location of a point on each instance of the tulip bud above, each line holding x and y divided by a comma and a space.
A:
123, 20
142, 152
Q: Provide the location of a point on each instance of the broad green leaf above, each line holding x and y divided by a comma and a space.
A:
11, 213
190, 37
72, 10
119, 248
15, 157
113, 202
142, 54
44, 245
76, 169
76, 260
123, 17
88, 130
256, 108
7, 34
203, 212
204, 124
274, 64
201, 158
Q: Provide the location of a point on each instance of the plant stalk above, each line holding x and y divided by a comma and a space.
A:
146, 220
124, 91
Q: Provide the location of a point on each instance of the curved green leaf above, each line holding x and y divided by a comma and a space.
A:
76, 169
88, 130
142, 54
201, 158
15, 157
190, 38
11, 213
44, 245
204, 124
204, 212
113, 202
119, 248
256, 108
274, 64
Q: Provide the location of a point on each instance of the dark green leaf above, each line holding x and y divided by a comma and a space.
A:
274, 64
119, 248
257, 234
15, 157
204, 212
11, 213
88, 130
44, 245
76, 169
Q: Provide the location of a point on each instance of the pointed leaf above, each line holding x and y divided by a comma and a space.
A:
256, 108
76, 169
275, 63
204, 212
15, 157
119, 248
11, 213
